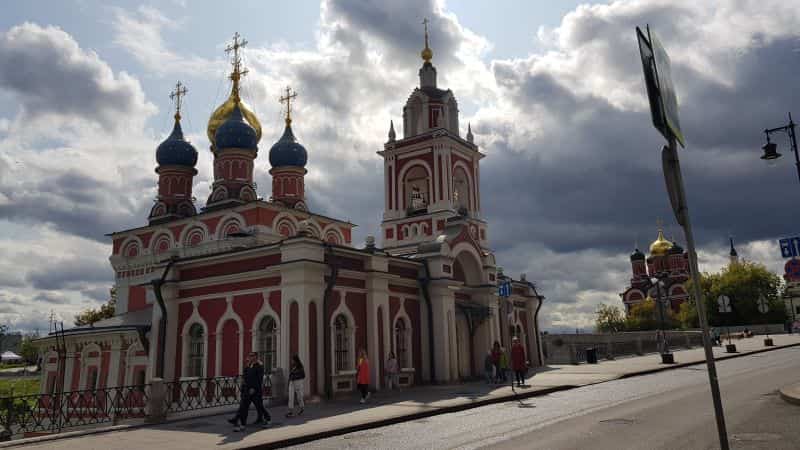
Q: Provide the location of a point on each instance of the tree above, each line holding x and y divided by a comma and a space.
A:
91, 315
29, 351
687, 315
646, 316
609, 319
743, 282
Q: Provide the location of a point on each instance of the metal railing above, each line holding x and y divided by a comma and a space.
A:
50, 413
200, 393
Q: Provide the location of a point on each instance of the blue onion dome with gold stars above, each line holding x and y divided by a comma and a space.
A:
235, 133
175, 150
637, 255
287, 151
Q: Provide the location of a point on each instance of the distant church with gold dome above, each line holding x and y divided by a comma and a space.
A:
199, 288
669, 263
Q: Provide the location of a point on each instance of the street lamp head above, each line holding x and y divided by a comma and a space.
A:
770, 151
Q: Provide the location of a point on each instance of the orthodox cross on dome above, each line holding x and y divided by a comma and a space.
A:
426, 53
236, 62
660, 223
180, 91
290, 95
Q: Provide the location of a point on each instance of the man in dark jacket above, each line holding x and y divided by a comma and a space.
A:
252, 392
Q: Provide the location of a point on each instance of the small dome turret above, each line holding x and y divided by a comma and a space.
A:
175, 150
287, 151
236, 133
637, 255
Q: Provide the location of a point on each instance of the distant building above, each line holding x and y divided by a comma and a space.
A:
668, 262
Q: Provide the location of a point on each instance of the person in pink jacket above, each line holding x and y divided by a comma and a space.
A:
362, 375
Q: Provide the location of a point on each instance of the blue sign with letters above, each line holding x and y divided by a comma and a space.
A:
504, 289
790, 247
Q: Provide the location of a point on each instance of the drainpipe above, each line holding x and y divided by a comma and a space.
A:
536, 325
423, 284
162, 322
326, 326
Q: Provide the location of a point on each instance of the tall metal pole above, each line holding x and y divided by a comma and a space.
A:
664, 341
793, 137
672, 163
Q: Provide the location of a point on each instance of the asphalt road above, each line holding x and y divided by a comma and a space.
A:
667, 410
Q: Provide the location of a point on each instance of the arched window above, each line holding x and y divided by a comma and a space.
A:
268, 343
401, 343
341, 341
417, 190
461, 191
196, 351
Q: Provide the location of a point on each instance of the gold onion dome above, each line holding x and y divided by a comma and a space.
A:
660, 246
224, 111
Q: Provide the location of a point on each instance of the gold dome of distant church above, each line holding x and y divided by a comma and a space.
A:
221, 114
660, 246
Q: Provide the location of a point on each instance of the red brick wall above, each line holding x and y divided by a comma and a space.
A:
357, 303
137, 298
211, 310
312, 348
228, 287
244, 265
246, 307
230, 348
412, 309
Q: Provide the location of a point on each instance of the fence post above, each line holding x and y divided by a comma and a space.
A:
573, 354
639, 347
156, 402
688, 340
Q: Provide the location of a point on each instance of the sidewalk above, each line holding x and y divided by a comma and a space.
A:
343, 416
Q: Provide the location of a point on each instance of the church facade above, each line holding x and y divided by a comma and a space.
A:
668, 263
198, 289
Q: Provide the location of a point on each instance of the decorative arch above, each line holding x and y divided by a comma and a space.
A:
402, 196
230, 223
220, 193
333, 235
464, 184
228, 315
247, 194
266, 312
194, 318
285, 224
162, 241
343, 340
468, 259
407, 336
314, 228
194, 233
90, 366
132, 247
135, 364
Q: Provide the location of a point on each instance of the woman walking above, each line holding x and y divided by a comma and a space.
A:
362, 375
296, 376
518, 362
391, 371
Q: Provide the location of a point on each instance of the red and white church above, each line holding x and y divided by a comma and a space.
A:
198, 289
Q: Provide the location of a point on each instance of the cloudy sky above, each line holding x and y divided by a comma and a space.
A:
572, 179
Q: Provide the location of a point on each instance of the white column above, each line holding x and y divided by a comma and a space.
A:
112, 379
69, 366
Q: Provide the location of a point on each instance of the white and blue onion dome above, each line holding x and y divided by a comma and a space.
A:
175, 150
236, 133
287, 151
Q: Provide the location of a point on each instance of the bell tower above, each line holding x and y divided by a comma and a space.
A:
432, 174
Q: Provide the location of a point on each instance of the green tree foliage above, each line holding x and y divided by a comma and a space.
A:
743, 282
29, 351
92, 315
646, 316
687, 315
609, 319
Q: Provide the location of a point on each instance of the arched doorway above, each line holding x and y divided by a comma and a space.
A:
466, 269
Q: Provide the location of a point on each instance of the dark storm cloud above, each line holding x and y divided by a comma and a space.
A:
75, 272
51, 74
76, 203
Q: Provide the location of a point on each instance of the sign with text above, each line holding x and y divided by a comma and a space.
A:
790, 247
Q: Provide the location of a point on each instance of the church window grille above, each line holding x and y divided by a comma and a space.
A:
196, 351
401, 343
341, 343
92, 381
268, 343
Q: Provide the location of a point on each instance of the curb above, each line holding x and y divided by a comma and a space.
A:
398, 419
793, 398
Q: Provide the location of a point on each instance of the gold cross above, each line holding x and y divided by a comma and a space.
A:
238, 72
288, 100
180, 91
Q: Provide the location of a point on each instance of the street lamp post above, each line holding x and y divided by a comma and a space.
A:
666, 355
771, 149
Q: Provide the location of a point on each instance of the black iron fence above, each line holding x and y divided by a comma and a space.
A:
28, 415
32, 415
191, 394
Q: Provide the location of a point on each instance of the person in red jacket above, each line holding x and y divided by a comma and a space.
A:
518, 362
362, 375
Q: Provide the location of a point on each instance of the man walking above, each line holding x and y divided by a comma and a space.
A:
252, 392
